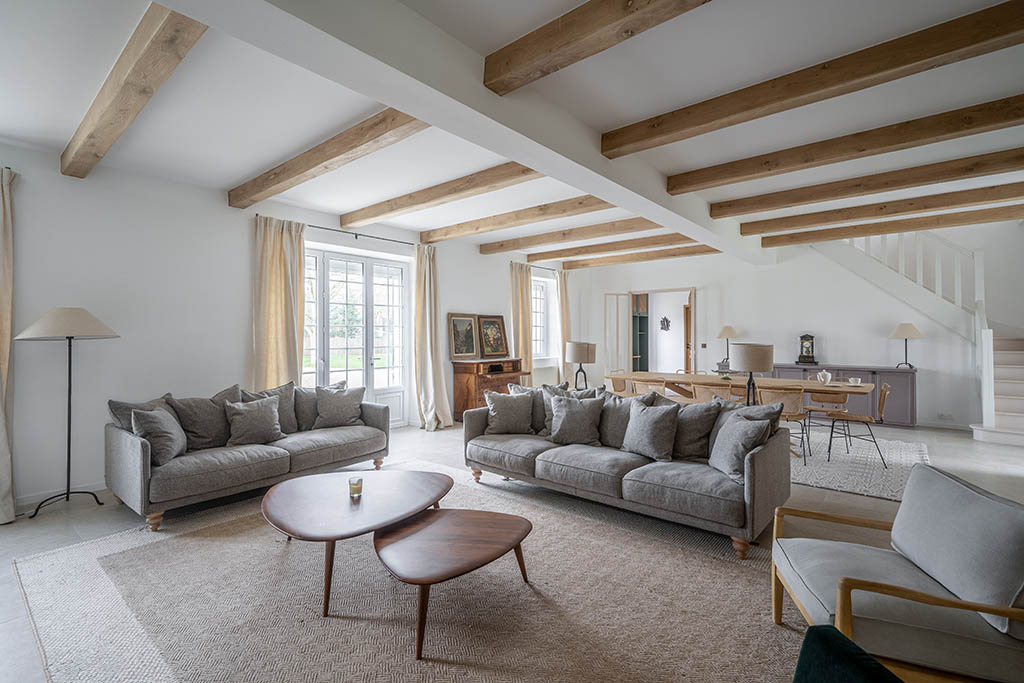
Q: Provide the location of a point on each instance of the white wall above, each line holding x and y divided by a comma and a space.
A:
666, 349
167, 266
805, 292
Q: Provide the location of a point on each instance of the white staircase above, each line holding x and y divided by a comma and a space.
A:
1005, 423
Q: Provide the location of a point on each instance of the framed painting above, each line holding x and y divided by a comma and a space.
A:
463, 336
493, 342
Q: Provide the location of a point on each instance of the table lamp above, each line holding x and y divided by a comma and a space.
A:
580, 352
905, 331
753, 358
59, 324
728, 332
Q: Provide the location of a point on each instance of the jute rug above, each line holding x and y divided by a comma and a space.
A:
219, 596
860, 470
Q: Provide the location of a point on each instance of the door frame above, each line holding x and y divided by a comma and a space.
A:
690, 322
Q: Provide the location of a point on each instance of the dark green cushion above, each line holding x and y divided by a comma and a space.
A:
828, 655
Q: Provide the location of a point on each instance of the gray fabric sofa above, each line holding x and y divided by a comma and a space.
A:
202, 475
687, 491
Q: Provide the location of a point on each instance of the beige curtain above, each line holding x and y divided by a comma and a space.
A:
7, 177
278, 302
564, 323
521, 313
430, 337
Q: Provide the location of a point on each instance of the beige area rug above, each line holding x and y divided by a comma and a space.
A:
219, 596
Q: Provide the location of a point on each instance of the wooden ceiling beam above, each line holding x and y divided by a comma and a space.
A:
513, 219
582, 32
975, 34
670, 240
489, 180
901, 207
156, 47
979, 118
639, 257
943, 220
375, 133
957, 169
586, 232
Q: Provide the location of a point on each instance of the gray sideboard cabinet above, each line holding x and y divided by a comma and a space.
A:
900, 407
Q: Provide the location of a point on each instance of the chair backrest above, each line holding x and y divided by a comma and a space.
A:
646, 387
791, 398
883, 394
618, 384
830, 399
705, 393
737, 392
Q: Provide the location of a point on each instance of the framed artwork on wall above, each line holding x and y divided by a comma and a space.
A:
463, 336
493, 342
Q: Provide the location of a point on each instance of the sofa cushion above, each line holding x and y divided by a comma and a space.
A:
693, 430
121, 411
338, 407
508, 413
575, 420
214, 469
285, 404
161, 429
537, 414
508, 452
687, 487
967, 539
255, 421
949, 639
548, 391
651, 431
319, 447
305, 405
589, 468
729, 410
738, 437
203, 419
615, 417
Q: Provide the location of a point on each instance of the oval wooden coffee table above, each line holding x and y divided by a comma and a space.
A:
438, 545
318, 508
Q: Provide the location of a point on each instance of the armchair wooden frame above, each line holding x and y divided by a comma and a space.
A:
912, 673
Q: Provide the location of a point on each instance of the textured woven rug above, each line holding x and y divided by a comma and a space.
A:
219, 596
860, 470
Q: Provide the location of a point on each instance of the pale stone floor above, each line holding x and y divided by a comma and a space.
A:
999, 469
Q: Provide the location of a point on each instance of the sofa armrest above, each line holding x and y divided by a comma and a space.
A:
127, 467
474, 422
377, 415
766, 481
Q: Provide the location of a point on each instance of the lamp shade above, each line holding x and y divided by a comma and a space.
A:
62, 322
906, 331
752, 357
728, 332
580, 352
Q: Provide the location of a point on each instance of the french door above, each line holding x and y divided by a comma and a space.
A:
356, 326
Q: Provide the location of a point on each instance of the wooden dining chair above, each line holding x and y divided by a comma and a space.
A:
866, 420
793, 410
829, 403
620, 385
641, 388
683, 389
705, 393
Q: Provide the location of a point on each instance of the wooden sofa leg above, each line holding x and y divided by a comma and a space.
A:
741, 547
154, 519
476, 474
776, 596
377, 462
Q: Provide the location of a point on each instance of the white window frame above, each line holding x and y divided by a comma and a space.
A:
539, 323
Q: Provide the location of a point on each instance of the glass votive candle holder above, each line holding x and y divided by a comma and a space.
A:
355, 487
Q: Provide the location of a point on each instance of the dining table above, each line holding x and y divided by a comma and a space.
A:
674, 381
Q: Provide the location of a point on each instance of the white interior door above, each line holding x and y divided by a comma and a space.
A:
617, 346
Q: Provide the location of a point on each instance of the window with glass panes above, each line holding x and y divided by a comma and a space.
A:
311, 307
539, 324
388, 302
346, 310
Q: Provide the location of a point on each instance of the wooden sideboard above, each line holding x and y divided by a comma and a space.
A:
472, 377
900, 407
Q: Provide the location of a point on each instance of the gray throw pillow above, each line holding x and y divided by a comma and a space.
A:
508, 413
693, 430
738, 437
729, 410
122, 411
161, 429
285, 404
576, 420
254, 421
203, 419
615, 417
550, 391
537, 412
338, 407
305, 405
651, 431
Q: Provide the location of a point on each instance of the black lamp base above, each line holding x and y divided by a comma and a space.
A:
63, 496
751, 391
579, 372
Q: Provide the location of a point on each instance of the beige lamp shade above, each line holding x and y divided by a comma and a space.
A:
63, 322
752, 357
728, 332
580, 352
906, 331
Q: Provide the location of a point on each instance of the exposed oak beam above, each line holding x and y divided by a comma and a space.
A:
375, 133
975, 34
587, 232
505, 175
928, 174
154, 50
901, 207
942, 220
610, 247
639, 257
979, 118
513, 219
582, 32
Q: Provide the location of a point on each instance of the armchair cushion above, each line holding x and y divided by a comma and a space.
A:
967, 539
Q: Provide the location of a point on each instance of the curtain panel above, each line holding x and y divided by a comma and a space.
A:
564, 323
7, 177
429, 338
521, 313
278, 302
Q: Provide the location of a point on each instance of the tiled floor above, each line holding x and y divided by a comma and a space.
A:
999, 469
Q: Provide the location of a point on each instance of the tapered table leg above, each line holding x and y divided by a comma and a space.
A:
328, 574
421, 620
437, 505
522, 563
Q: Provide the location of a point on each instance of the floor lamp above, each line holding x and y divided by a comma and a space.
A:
753, 358
66, 324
